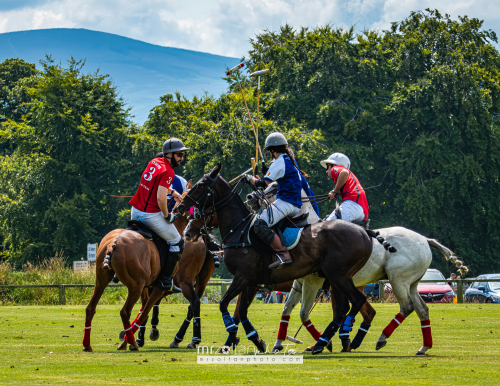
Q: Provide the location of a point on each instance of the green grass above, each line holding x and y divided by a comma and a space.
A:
39, 346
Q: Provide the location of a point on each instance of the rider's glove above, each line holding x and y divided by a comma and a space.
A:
170, 218
248, 177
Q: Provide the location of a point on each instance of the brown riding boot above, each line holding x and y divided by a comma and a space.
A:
281, 251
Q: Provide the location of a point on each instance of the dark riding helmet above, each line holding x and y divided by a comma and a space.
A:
173, 145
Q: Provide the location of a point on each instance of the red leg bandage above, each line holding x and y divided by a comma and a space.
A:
136, 325
426, 332
129, 335
398, 319
283, 327
312, 330
86, 335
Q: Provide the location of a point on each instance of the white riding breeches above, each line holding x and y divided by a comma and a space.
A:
350, 211
157, 223
279, 209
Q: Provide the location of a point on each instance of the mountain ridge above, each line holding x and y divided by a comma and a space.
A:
141, 71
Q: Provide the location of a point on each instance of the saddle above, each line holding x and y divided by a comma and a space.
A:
148, 234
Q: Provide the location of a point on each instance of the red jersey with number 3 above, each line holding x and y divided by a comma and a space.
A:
352, 190
158, 172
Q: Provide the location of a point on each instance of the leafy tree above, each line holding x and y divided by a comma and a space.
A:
15, 76
72, 142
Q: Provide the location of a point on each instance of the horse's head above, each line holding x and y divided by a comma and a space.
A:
199, 225
202, 193
256, 202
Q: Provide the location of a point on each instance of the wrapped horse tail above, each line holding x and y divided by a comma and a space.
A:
381, 240
109, 252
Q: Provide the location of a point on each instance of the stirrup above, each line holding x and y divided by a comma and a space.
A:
282, 262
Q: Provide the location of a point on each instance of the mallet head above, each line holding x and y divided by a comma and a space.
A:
259, 73
235, 68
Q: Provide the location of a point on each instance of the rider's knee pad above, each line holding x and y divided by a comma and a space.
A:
263, 231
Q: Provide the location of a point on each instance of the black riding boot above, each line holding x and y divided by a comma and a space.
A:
165, 281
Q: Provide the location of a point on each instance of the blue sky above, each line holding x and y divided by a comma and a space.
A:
222, 26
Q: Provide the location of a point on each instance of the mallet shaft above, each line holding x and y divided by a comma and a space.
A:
245, 172
259, 73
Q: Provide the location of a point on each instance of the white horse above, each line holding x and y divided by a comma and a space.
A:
404, 269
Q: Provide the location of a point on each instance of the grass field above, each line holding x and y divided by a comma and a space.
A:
41, 346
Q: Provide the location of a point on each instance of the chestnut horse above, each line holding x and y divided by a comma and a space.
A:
136, 262
338, 248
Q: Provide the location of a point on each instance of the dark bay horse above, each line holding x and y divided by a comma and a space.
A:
338, 248
197, 227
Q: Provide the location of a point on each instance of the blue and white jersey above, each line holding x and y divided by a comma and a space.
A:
309, 192
179, 184
289, 180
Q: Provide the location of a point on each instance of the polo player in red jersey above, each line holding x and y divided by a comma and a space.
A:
354, 207
150, 206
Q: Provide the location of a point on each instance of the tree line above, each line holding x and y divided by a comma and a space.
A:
416, 108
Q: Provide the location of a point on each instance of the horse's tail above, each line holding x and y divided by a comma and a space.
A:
448, 255
381, 240
109, 252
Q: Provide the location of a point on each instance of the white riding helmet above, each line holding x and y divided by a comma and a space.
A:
337, 159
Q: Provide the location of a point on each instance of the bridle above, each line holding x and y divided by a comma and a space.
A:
207, 212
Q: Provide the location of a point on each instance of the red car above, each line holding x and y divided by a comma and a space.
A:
437, 292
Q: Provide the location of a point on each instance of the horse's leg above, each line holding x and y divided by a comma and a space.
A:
103, 277
134, 293
236, 320
234, 289
357, 299
422, 311
154, 334
201, 285
341, 309
246, 299
312, 284
193, 310
142, 329
402, 292
292, 300
368, 313
179, 337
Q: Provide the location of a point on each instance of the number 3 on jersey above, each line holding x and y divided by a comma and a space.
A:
149, 175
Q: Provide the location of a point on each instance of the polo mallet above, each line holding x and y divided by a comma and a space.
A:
258, 74
254, 165
234, 71
241, 175
312, 308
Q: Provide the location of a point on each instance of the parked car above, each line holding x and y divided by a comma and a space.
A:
484, 291
437, 292
371, 290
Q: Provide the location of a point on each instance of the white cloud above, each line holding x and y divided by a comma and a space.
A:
223, 26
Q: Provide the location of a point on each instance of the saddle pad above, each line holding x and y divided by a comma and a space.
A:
291, 237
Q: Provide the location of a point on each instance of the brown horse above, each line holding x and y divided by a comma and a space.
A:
136, 262
338, 248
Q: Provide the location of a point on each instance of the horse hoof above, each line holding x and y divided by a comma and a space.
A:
277, 348
224, 350
261, 345
329, 346
154, 334
134, 347
123, 346
422, 351
174, 344
345, 345
317, 349
87, 349
191, 346
349, 349
310, 348
121, 335
140, 342
380, 344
